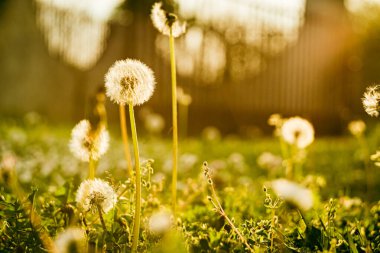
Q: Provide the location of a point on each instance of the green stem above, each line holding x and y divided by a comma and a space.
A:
124, 133
91, 168
101, 217
175, 126
272, 230
136, 225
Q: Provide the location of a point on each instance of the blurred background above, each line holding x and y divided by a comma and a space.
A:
240, 60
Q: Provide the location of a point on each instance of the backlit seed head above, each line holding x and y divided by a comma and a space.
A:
71, 240
160, 222
371, 100
163, 21
93, 193
88, 143
298, 131
357, 127
275, 120
293, 193
129, 82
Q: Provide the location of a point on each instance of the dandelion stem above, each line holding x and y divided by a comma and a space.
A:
272, 229
175, 126
124, 133
136, 225
91, 168
101, 217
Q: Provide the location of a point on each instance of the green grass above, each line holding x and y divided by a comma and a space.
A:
47, 170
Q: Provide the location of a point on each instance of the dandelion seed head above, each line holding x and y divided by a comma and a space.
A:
275, 120
94, 192
347, 202
160, 222
298, 131
129, 82
356, 127
71, 240
293, 193
163, 21
371, 100
85, 143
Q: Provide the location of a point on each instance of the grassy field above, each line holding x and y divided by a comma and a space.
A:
345, 185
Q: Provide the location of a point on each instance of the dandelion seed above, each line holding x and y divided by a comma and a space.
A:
129, 82
94, 193
371, 100
163, 21
293, 193
357, 127
160, 222
71, 240
86, 144
298, 131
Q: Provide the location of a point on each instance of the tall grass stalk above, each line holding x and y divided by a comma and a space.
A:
175, 123
218, 207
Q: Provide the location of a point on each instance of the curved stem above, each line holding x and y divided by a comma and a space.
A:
175, 124
220, 209
136, 225
124, 133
